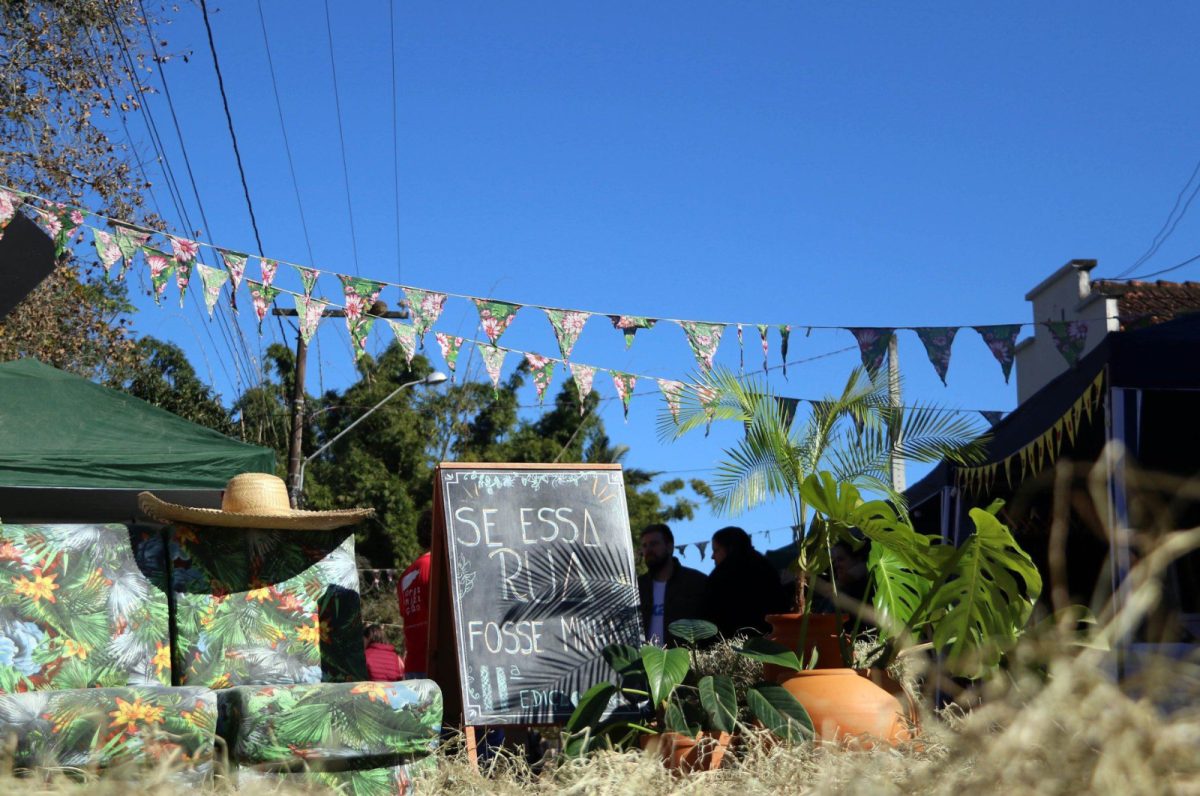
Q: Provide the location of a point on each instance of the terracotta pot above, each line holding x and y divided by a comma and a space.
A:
685, 754
844, 705
881, 678
820, 634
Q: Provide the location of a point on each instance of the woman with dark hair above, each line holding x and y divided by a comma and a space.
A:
743, 587
382, 661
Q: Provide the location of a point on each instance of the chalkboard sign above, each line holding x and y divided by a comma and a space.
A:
538, 565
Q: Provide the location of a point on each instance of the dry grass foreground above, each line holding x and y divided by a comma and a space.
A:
1053, 722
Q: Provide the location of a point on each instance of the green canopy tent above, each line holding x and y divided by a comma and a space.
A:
72, 450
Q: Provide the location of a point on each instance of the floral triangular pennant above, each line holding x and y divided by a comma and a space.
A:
542, 369
183, 250
741, 352
709, 400
992, 416
680, 548
450, 346
9, 202
106, 248
493, 362
495, 316
310, 311
160, 270
629, 324
263, 297
130, 241
567, 326
1001, 340
762, 333
235, 263
406, 336
583, 376
425, 307
212, 279
60, 222
624, 382
704, 339
785, 332
937, 340
673, 393
269, 268
183, 275
703, 548
1069, 338
308, 278
873, 345
360, 296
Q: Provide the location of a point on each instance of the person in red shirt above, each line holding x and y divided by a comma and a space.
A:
413, 591
382, 661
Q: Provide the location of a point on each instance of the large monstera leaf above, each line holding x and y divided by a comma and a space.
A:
981, 608
898, 588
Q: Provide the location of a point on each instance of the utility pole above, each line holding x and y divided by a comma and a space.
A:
295, 445
896, 462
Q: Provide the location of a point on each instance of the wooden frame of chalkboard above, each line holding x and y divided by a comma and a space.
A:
533, 576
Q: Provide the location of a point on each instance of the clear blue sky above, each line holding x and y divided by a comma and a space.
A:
826, 164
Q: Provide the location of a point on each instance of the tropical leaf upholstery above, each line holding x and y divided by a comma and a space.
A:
264, 607
82, 606
314, 724
91, 728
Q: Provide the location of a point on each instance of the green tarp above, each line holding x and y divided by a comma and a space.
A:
60, 430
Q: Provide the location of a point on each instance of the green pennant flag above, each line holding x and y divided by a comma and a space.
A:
450, 346
629, 324
1070, 337
673, 392
406, 337
308, 278
542, 370
9, 202
310, 311
624, 383
60, 222
785, 332
493, 362
704, 339
873, 345
567, 326
263, 297
269, 269
1001, 340
106, 249
937, 341
583, 376
495, 316
360, 297
235, 263
161, 267
212, 279
425, 307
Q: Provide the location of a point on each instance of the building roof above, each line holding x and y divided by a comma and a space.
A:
1141, 304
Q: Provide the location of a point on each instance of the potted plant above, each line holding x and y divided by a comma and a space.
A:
854, 436
685, 718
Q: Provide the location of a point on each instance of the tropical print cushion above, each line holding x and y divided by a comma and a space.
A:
305, 724
103, 727
264, 607
82, 606
369, 782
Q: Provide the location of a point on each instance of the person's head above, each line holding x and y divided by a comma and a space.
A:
730, 541
425, 529
657, 545
373, 634
848, 566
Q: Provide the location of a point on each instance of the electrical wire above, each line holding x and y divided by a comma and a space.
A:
341, 136
1168, 228
395, 135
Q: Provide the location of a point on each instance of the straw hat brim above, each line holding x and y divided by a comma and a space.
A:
290, 520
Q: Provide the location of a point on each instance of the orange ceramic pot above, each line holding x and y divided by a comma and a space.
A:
685, 754
820, 635
844, 705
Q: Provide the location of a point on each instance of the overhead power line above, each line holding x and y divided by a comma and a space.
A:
1169, 224
212, 48
337, 100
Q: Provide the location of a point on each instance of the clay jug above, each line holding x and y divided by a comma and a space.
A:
844, 705
820, 634
685, 754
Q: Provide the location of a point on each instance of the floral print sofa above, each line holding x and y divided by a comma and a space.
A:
124, 645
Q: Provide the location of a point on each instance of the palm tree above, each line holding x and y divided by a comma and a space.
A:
854, 436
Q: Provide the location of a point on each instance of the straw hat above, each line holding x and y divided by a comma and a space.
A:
252, 500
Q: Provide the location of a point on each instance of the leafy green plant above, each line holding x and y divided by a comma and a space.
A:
660, 686
854, 436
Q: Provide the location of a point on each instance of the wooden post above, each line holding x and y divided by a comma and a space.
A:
295, 447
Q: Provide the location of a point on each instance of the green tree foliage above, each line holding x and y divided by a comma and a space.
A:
164, 377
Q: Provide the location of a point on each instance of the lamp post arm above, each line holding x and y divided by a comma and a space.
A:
344, 431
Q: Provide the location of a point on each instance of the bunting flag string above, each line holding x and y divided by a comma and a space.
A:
406, 336
63, 221
1041, 452
741, 353
160, 271
583, 376
361, 295
106, 248
449, 346
263, 297
703, 548
493, 362
762, 333
624, 382
310, 311
672, 392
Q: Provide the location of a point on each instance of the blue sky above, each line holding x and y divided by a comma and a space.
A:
824, 164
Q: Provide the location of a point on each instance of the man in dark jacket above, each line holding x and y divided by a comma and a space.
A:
669, 590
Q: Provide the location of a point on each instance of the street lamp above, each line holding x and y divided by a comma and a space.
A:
437, 377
